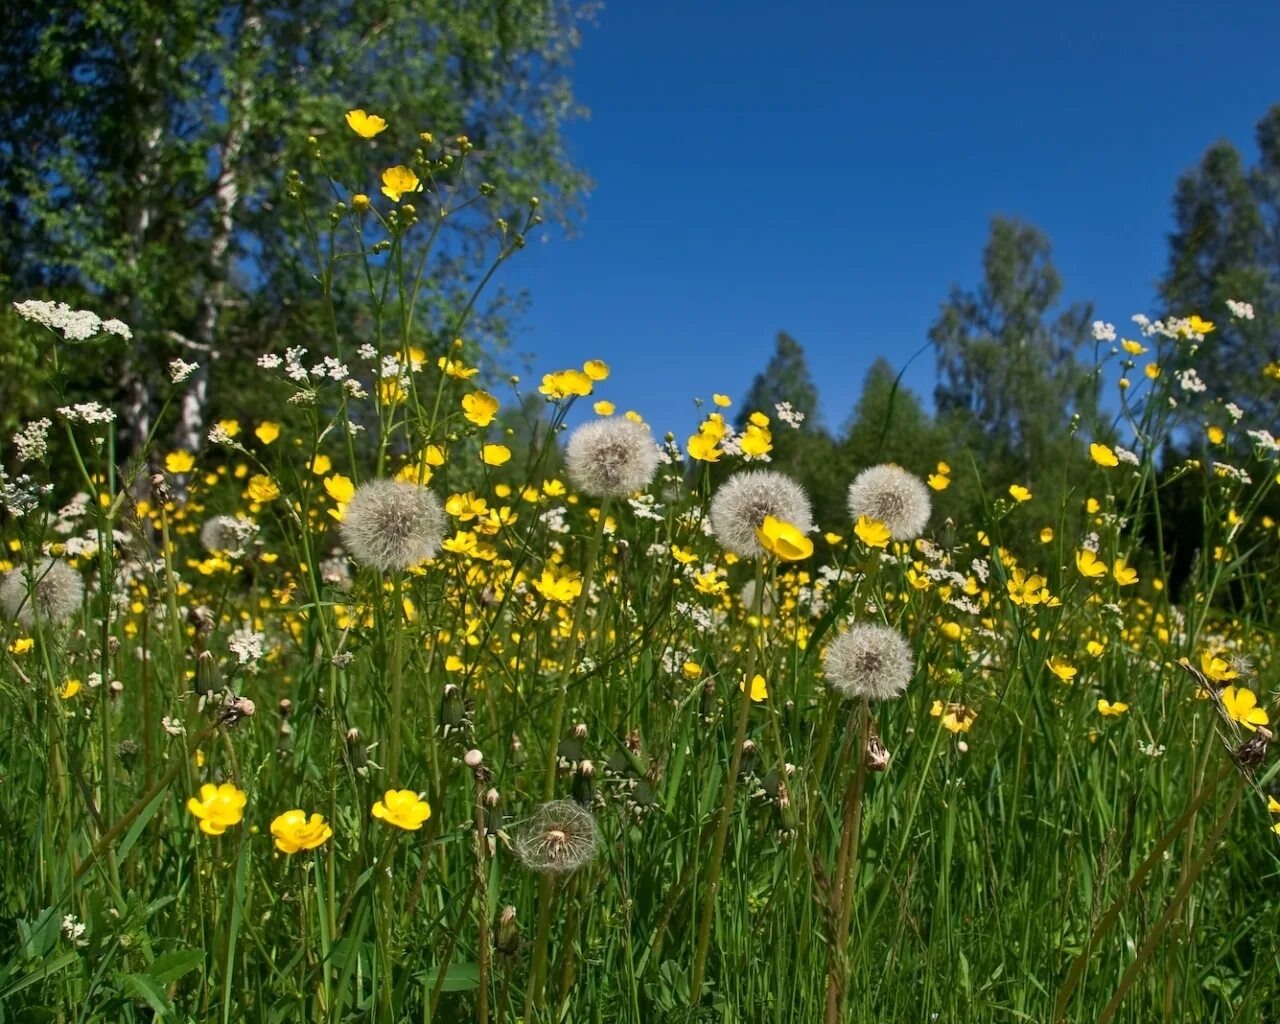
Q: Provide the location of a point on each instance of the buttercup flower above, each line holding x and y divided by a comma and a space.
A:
1241, 705
218, 808
365, 125
611, 458
294, 832
398, 180
869, 660
890, 495
742, 503
402, 808
783, 541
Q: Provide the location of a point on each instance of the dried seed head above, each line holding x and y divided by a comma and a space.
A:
54, 586
392, 524
744, 500
560, 838
893, 496
869, 660
611, 458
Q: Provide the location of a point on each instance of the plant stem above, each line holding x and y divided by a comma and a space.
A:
847, 870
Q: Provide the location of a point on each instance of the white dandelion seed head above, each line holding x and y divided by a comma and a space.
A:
560, 837
227, 534
57, 588
891, 495
392, 524
742, 502
869, 660
611, 458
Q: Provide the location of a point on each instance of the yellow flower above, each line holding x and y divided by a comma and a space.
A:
562, 585
218, 808
339, 488
1215, 435
872, 532
267, 431
22, 645
1152, 371
757, 441
1028, 590
1124, 576
230, 427
955, 718
465, 507
495, 454
1109, 710
365, 125
1062, 668
179, 462
709, 583
320, 465
1134, 348
783, 540
1046, 535
1199, 326
759, 691
724, 401
939, 481
1019, 493
479, 407
402, 808
72, 687
565, 384
682, 555
596, 369
1103, 455
1241, 706
360, 202
457, 371
262, 488
603, 408
294, 832
398, 180
702, 446
1217, 669
1090, 565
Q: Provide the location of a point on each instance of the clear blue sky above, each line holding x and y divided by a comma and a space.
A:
831, 168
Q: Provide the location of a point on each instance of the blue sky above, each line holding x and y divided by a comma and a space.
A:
831, 169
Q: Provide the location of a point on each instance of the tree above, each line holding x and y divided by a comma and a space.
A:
1009, 380
1226, 246
144, 170
785, 378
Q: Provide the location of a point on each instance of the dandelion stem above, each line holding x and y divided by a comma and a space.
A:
538, 965
847, 870
726, 807
569, 660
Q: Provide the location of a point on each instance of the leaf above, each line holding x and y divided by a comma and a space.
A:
140, 986
169, 967
45, 970
135, 830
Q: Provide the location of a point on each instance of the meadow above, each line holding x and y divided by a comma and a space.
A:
376, 708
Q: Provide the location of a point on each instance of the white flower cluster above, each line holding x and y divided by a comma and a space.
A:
791, 417
1265, 440
179, 370
247, 646
1189, 380
1124, 455
74, 930
1224, 469
72, 324
1103, 331
21, 495
87, 412
1240, 310
554, 519
646, 507
218, 435
32, 441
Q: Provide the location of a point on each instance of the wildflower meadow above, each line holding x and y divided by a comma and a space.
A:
428, 693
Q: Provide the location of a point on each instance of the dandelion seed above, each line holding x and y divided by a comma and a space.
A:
746, 499
560, 838
392, 524
56, 587
869, 660
890, 495
611, 458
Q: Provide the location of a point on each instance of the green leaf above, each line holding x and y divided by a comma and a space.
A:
169, 967
140, 986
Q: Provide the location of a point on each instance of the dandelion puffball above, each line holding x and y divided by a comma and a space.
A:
392, 524
744, 500
869, 660
57, 589
891, 495
611, 458
560, 837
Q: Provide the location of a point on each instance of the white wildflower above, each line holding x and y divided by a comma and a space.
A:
180, 370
